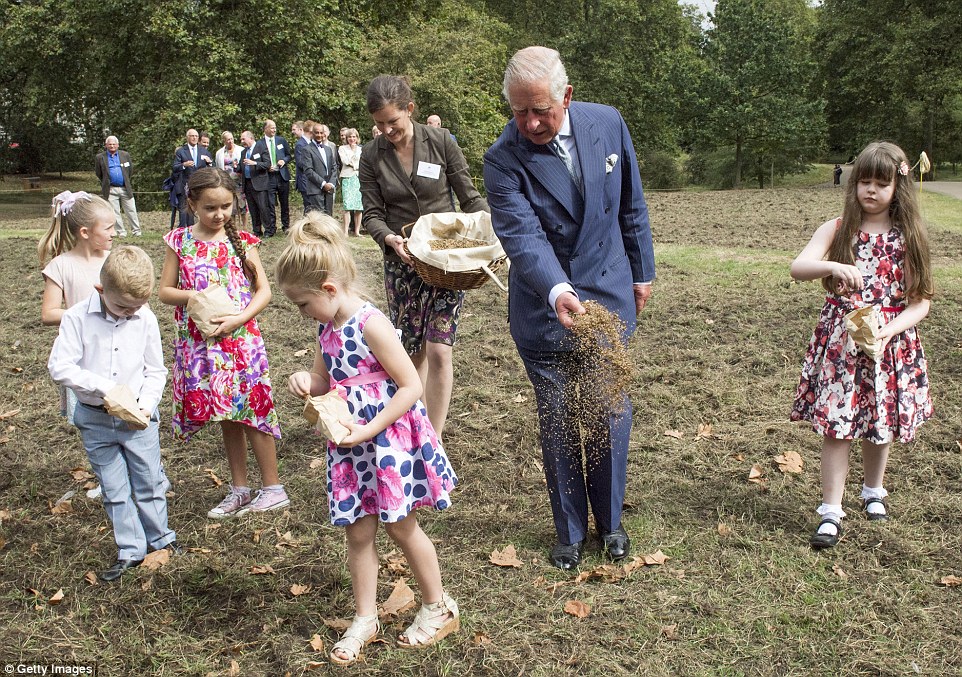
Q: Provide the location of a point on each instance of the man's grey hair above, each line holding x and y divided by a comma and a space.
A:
537, 64
111, 138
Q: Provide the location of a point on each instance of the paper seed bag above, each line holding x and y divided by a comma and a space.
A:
120, 402
325, 413
208, 304
863, 326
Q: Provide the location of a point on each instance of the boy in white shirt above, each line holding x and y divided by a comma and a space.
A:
110, 340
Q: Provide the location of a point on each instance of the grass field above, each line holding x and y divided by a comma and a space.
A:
741, 593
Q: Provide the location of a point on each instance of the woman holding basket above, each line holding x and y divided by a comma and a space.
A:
406, 172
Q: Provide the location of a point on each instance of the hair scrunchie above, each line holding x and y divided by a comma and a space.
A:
64, 202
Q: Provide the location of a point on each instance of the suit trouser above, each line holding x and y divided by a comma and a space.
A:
127, 463
184, 217
280, 189
572, 483
257, 204
313, 203
119, 201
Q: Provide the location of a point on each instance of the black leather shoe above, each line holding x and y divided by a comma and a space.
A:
616, 544
175, 548
118, 569
567, 557
820, 541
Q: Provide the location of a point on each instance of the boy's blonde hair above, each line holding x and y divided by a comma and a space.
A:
71, 212
318, 251
128, 270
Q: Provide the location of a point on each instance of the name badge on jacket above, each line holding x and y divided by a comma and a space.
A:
429, 170
125, 164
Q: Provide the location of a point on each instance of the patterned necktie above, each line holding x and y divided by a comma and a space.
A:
565, 157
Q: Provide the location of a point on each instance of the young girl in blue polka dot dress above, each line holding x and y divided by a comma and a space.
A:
391, 463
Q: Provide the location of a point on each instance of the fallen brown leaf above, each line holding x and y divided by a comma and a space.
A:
608, 573
337, 624
317, 643
838, 571
234, 670
261, 570
724, 530
657, 557
950, 581
670, 632
318, 463
5, 515
91, 578
519, 398
256, 537
57, 598
677, 434
8, 414
314, 665
704, 430
81, 474
400, 600
790, 462
506, 558
481, 639
147, 584
300, 353
577, 608
636, 562
62, 508
156, 559
755, 474
298, 590
213, 477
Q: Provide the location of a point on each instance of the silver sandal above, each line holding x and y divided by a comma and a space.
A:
432, 623
362, 631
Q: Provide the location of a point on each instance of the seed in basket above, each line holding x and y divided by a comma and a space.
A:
459, 243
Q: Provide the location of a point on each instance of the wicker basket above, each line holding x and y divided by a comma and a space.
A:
456, 280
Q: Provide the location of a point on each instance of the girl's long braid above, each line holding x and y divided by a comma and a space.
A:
241, 250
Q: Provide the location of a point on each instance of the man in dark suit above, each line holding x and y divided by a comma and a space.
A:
273, 150
567, 204
316, 161
253, 174
188, 159
300, 138
113, 168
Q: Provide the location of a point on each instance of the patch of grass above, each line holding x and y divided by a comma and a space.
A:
720, 343
942, 212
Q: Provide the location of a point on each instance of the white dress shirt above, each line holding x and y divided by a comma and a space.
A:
95, 352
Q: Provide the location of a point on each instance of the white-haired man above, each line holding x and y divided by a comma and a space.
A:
567, 204
113, 168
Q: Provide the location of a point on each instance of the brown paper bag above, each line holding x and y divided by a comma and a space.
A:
863, 326
120, 402
208, 304
325, 413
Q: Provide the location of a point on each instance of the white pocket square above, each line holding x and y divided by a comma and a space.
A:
610, 163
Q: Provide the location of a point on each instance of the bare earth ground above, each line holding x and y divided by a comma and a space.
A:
742, 593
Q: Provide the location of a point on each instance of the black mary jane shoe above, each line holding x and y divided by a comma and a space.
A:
822, 541
616, 544
118, 569
565, 556
876, 516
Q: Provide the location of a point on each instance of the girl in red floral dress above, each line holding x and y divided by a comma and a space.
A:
877, 254
224, 378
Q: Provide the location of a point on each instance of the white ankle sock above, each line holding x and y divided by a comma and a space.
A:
874, 508
827, 511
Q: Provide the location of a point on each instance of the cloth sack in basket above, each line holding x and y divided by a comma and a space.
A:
455, 226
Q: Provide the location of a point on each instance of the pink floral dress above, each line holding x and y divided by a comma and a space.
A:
401, 469
225, 379
844, 392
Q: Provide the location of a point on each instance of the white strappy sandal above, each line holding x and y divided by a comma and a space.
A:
432, 623
362, 631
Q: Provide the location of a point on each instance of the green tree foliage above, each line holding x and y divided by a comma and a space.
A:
756, 92
892, 69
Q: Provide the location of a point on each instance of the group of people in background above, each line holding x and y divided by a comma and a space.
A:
566, 201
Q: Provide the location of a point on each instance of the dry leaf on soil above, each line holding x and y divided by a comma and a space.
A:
8, 414
657, 557
670, 632
318, 463
156, 559
261, 569
5, 515
213, 477
81, 474
789, 462
317, 643
300, 353
147, 584
91, 578
481, 639
314, 665
298, 590
950, 581
704, 430
57, 598
677, 434
506, 558
755, 474
724, 530
519, 398
607, 573
838, 571
62, 508
577, 608
339, 625
234, 670
400, 600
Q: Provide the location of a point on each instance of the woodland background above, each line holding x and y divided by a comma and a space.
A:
757, 92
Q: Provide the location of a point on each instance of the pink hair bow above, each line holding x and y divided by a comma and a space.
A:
64, 202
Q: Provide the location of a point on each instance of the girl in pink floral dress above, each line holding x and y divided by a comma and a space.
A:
391, 463
225, 377
876, 254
